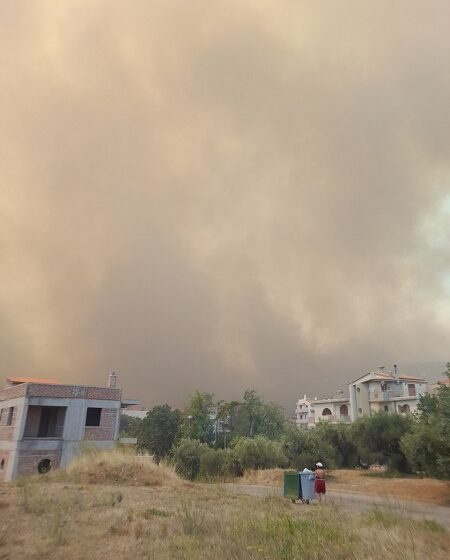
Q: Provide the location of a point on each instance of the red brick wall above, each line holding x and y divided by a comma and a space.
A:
13, 392
73, 392
7, 432
29, 460
4, 455
107, 428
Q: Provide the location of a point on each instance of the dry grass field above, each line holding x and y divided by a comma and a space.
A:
114, 506
426, 490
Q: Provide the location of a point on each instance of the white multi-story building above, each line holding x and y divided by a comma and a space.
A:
381, 391
335, 409
304, 412
309, 412
374, 392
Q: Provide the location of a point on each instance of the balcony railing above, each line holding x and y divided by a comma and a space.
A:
335, 418
384, 395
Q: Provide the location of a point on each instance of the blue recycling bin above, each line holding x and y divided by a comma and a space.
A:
307, 479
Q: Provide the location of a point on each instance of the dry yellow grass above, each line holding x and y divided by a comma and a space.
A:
57, 518
116, 466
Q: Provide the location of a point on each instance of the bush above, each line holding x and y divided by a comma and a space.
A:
186, 457
339, 437
193, 460
377, 439
259, 453
304, 447
129, 426
427, 445
212, 463
233, 466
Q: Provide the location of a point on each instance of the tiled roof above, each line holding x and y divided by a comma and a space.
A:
411, 378
46, 381
383, 376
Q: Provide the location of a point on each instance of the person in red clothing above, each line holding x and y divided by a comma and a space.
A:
319, 484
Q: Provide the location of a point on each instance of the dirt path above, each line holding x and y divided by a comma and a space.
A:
357, 503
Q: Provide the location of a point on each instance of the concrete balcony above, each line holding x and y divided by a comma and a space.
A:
384, 395
335, 418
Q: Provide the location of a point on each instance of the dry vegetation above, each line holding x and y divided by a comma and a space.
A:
426, 490
95, 511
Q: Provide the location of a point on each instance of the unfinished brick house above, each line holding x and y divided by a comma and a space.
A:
44, 424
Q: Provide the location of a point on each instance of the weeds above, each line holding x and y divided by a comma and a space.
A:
192, 519
153, 512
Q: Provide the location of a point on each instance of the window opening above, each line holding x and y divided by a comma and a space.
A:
10, 416
344, 410
2, 464
326, 412
47, 423
93, 416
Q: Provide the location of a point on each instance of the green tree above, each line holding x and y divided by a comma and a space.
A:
255, 417
305, 447
198, 418
377, 439
427, 445
339, 437
129, 426
158, 430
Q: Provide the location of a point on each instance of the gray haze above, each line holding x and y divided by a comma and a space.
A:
223, 195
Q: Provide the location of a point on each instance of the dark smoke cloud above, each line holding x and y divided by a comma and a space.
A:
223, 195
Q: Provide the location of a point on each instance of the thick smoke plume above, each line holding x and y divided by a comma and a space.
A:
225, 194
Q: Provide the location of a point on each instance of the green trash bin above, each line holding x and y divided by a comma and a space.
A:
292, 485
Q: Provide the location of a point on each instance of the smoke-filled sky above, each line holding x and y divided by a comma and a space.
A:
223, 194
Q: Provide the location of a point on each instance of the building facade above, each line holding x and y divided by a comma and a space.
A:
304, 412
385, 392
335, 409
374, 392
310, 411
44, 425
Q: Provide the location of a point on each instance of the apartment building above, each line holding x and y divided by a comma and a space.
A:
309, 412
382, 391
373, 392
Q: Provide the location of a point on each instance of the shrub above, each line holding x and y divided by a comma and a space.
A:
427, 445
259, 453
212, 463
186, 457
377, 439
303, 448
233, 466
339, 437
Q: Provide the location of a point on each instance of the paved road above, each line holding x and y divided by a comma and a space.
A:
354, 502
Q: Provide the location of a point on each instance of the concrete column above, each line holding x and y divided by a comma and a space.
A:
353, 403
